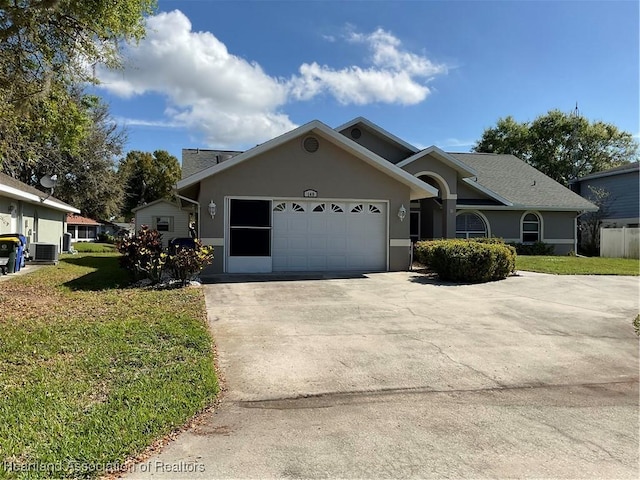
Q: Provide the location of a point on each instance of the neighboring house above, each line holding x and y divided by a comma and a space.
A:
622, 207
82, 229
31, 212
355, 197
125, 229
167, 217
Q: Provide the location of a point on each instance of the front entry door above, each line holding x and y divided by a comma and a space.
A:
249, 236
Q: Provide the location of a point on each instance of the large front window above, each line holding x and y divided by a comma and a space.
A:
470, 225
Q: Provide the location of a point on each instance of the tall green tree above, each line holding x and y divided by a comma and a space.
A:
147, 177
47, 50
91, 180
86, 173
564, 146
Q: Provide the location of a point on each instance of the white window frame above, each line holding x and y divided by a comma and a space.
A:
485, 220
539, 231
161, 219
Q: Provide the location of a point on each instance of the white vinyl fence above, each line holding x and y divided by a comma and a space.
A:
620, 242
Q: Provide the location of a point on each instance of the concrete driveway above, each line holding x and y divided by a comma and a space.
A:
395, 375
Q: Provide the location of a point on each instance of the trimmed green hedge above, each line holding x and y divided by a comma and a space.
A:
538, 248
468, 261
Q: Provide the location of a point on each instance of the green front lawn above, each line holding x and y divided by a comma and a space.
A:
94, 247
92, 372
578, 265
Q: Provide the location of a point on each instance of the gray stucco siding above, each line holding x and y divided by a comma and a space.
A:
465, 192
287, 171
430, 164
391, 152
504, 224
559, 225
555, 225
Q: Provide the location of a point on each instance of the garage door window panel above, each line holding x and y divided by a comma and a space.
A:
250, 228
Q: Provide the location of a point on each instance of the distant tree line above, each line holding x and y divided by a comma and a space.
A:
564, 146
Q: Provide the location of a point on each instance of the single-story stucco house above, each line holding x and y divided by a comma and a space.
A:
355, 197
165, 216
35, 214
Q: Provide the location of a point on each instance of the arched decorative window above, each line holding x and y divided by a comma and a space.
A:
471, 225
531, 228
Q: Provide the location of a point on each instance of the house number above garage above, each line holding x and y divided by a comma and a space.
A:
310, 193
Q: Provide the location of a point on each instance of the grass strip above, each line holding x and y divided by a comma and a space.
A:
94, 247
92, 372
578, 265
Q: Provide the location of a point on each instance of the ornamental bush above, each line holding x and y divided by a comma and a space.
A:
187, 262
142, 254
537, 248
467, 261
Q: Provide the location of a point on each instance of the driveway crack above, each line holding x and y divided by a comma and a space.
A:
574, 438
457, 362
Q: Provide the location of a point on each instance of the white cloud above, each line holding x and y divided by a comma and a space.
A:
455, 142
232, 101
395, 75
147, 123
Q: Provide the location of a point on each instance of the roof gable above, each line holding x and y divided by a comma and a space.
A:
463, 169
419, 189
377, 130
155, 202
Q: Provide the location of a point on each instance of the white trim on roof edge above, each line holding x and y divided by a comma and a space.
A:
526, 207
378, 129
419, 189
30, 197
160, 200
452, 162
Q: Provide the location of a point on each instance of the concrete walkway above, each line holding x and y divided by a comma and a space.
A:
27, 269
395, 375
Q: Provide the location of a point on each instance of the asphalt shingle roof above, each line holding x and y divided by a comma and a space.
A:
520, 183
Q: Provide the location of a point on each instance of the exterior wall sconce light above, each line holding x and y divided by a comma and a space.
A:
12, 208
213, 208
402, 212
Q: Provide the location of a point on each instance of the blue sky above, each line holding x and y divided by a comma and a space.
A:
214, 74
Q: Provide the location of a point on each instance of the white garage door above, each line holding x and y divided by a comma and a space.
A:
329, 235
